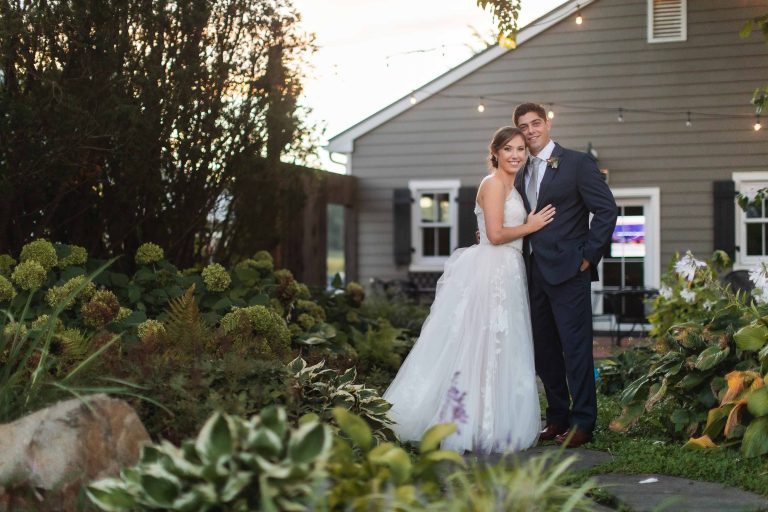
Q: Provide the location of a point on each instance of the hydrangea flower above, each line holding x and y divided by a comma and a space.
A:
7, 291
149, 253
29, 275
687, 265
12, 328
101, 309
77, 256
41, 251
356, 293
688, 295
41, 323
263, 261
306, 321
257, 320
6, 264
216, 278
123, 313
57, 296
150, 328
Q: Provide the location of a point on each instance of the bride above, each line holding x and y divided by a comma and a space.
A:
473, 362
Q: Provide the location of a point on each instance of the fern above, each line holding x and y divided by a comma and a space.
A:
185, 325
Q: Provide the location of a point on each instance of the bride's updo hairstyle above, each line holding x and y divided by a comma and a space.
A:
501, 137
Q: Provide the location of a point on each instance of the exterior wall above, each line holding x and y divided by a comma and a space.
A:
606, 62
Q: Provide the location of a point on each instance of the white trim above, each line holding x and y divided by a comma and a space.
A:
652, 269
421, 263
741, 260
683, 33
344, 141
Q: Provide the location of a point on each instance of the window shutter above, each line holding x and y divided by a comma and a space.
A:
467, 218
725, 216
667, 21
402, 225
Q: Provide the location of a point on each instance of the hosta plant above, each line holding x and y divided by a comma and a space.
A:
235, 464
318, 389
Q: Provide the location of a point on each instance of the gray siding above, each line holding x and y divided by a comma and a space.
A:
605, 62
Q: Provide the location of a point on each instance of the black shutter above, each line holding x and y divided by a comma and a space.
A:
467, 218
724, 216
402, 225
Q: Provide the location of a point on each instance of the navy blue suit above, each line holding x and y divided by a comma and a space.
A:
561, 309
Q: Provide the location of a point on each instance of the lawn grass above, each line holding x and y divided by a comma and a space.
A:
641, 451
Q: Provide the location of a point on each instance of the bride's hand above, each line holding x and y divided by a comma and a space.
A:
539, 219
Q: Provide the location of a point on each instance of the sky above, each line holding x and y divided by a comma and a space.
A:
373, 52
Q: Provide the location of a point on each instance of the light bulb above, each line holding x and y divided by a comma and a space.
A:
481, 107
413, 99
688, 122
550, 114
621, 116
579, 19
757, 126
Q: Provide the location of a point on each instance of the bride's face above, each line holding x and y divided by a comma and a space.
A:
512, 155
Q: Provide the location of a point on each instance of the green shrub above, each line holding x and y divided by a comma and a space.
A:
234, 464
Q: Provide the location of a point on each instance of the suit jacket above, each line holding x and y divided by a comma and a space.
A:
576, 188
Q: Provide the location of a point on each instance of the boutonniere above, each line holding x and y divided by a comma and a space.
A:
553, 162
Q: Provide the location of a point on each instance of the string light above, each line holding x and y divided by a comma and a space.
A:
579, 17
481, 106
550, 112
621, 115
688, 122
412, 99
757, 126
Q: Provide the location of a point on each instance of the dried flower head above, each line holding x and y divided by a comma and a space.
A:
150, 329
123, 314
216, 278
62, 296
29, 275
356, 293
41, 251
101, 309
149, 253
41, 322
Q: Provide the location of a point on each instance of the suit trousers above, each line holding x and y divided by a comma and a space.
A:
561, 317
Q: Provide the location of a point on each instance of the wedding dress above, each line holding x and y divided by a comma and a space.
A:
473, 362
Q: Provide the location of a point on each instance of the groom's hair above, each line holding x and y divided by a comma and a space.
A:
525, 108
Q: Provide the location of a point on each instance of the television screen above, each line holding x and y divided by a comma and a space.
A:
628, 239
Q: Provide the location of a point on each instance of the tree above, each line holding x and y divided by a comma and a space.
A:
124, 121
760, 96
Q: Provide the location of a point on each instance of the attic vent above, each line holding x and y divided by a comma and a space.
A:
667, 21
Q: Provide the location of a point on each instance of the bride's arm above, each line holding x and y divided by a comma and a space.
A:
493, 196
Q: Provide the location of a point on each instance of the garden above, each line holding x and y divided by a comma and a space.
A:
260, 393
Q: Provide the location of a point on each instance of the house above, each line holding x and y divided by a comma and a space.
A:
659, 89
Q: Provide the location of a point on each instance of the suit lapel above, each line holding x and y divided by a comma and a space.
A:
549, 175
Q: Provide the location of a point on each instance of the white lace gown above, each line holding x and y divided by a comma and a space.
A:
473, 362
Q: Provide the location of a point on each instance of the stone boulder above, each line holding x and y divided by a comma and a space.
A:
47, 457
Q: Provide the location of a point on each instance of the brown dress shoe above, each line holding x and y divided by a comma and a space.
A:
573, 438
551, 431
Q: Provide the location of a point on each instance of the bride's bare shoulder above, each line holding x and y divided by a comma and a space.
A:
491, 185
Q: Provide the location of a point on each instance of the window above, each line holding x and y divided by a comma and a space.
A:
434, 217
667, 21
752, 225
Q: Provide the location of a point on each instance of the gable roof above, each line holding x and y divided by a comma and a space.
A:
344, 141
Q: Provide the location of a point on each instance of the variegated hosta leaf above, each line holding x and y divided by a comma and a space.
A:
309, 442
758, 402
356, 428
266, 442
216, 438
160, 487
271, 470
235, 485
751, 337
111, 495
711, 357
275, 419
348, 376
755, 442
394, 458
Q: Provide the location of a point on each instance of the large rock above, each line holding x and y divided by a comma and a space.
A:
46, 457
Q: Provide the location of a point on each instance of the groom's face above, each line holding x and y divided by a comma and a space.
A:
535, 129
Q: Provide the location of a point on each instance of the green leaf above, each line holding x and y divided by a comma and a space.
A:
692, 380
355, 427
297, 365
751, 337
134, 293
681, 417
431, 439
398, 462
441, 455
757, 403
235, 484
348, 376
309, 442
755, 442
160, 486
110, 494
119, 279
711, 357
266, 442
223, 304
275, 419
632, 390
216, 438
336, 283
259, 300
746, 29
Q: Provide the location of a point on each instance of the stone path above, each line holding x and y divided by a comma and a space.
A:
673, 494
659, 492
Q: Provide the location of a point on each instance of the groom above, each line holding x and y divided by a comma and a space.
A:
562, 261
